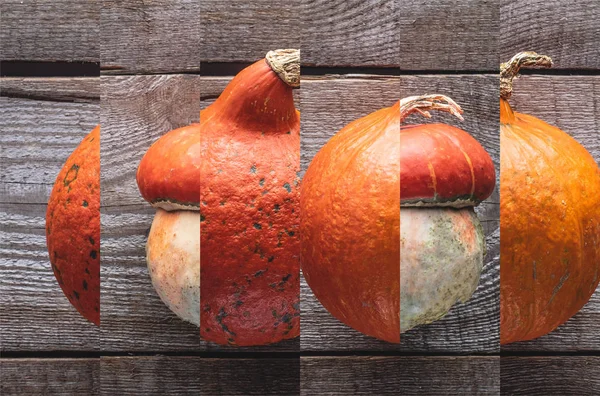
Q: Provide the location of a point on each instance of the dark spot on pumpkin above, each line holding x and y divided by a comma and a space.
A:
202, 217
290, 233
238, 303
286, 278
265, 192
261, 182
257, 226
222, 203
84, 285
253, 169
289, 132
207, 330
288, 187
274, 313
220, 316
91, 240
85, 204
276, 208
71, 175
287, 318
87, 271
93, 254
272, 285
231, 341
259, 273
75, 294
270, 259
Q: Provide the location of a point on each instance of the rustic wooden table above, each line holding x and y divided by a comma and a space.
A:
161, 62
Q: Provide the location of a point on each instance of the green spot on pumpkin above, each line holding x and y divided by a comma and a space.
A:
288, 187
253, 169
276, 208
202, 217
257, 226
85, 204
261, 182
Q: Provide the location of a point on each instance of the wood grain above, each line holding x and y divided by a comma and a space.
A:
150, 36
568, 34
571, 103
350, 33
550, 375
330, 103
261, 26
50, 30
50, 377
393, 375
136, 111
449, 35
37, 134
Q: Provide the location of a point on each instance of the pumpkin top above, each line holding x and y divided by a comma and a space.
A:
441, 165
259, 99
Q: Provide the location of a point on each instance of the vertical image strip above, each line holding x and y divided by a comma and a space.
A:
49, 198
550, 200
250, 156
150, 101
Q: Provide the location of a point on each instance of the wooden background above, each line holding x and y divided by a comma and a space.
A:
357, 56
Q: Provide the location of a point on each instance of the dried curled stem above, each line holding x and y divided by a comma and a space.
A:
422, 105
286, 63
510, 69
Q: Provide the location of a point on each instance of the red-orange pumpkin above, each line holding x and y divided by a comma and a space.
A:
238, 167
73, 227
351, 219
549, 219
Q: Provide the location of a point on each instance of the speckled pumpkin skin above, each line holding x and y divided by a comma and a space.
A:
550, 226
73, 227
173, 256
444, 247
250, 248
350, 225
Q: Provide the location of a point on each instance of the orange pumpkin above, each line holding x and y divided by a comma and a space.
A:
236, 172
550, 219
73, 227
351, 219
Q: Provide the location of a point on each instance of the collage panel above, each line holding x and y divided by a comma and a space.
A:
349, 73
249, 183
149, 299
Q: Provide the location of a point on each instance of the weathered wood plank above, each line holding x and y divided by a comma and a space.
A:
261, 26
50, 377
571, 103
550, 375
136, 111
36, 137
50, 30
449, 35
408, 375
181, 375
570, 35
329, 104
350, 33
150, 37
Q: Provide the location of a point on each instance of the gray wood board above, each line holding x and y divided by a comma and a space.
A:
449, 34
37, 135
136, 111
150, 36
50, 30
50, 376
567, 32
571, 103
550, 375
330, 103
393, 375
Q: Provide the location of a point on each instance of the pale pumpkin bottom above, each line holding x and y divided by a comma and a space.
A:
173, 256
441, 257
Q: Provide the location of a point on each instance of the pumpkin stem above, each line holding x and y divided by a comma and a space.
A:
422, 105
510, 69
286, 63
